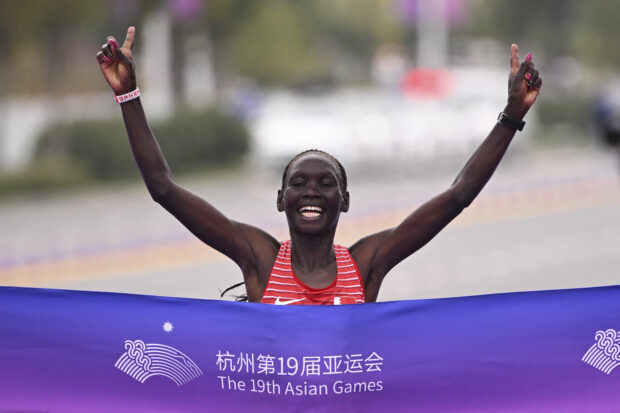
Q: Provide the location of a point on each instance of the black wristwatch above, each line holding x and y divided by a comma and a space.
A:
509, 122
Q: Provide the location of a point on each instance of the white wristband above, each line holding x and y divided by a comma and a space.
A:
127, 96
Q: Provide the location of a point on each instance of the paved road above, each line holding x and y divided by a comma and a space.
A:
548, 219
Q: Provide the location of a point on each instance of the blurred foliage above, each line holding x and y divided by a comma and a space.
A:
596, 36
277, 46
586, 30
71, 155
46, 175
298, 43
193, 140
359, 26
48, 46
539, 23
574, 43
99, 150
576, 112
35, 37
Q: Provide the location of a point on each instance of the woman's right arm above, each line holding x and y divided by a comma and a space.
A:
235, 240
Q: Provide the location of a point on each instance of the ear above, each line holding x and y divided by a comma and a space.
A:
345, 203
280, 201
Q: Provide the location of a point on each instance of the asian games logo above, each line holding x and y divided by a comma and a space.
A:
144, 360
605, 353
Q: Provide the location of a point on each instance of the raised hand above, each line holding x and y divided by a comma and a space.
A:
117, 64
524, 83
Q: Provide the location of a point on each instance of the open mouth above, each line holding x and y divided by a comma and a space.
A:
310, 212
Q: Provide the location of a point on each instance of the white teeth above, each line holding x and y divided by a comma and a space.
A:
311, 209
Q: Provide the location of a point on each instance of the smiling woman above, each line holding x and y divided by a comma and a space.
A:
309, 268
313, 189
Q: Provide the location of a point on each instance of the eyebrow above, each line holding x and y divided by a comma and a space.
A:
332, 169
326, 173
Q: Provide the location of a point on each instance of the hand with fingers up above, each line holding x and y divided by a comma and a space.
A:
117, 64
524, 84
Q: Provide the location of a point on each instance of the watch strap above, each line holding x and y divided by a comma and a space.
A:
514, 124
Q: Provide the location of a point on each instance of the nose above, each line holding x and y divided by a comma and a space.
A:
312, 189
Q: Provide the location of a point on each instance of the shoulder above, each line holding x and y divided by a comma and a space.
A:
367, 256
259, 245
365, 253
259, 251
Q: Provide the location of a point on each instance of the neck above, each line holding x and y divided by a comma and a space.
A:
312, 252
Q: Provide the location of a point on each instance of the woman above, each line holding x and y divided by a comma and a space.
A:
310, 269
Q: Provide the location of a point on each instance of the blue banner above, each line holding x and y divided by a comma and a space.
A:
72, 351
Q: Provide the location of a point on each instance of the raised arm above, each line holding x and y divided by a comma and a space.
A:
237, 241
380, 252
118, 70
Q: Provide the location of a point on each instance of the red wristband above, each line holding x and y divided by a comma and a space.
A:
127, 96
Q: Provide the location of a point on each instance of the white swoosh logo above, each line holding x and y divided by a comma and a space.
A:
278, 302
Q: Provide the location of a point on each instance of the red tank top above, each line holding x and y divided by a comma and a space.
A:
283, 286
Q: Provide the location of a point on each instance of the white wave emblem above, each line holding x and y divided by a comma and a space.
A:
142, 361
605, 353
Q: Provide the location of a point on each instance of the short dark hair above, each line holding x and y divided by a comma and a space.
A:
343, 174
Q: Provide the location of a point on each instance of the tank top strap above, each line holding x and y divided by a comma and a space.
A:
283, 287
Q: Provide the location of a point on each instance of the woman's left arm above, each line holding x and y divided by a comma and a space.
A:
523, 88
382, 251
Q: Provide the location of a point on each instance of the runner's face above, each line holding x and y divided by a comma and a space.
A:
312, 196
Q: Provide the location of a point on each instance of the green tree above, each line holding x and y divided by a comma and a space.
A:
585, 30
277, 46
596, 37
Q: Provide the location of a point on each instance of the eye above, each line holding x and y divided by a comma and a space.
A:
296, 183
328, 183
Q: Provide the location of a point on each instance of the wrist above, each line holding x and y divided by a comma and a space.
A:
510, 123
125, 89
126, 97
515, 110
126, 86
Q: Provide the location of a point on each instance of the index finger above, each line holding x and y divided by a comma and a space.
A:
514, 58
131, 33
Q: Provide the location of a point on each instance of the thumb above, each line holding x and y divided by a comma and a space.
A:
131, 34
514, 58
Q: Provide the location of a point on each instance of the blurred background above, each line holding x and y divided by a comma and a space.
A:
401, 91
